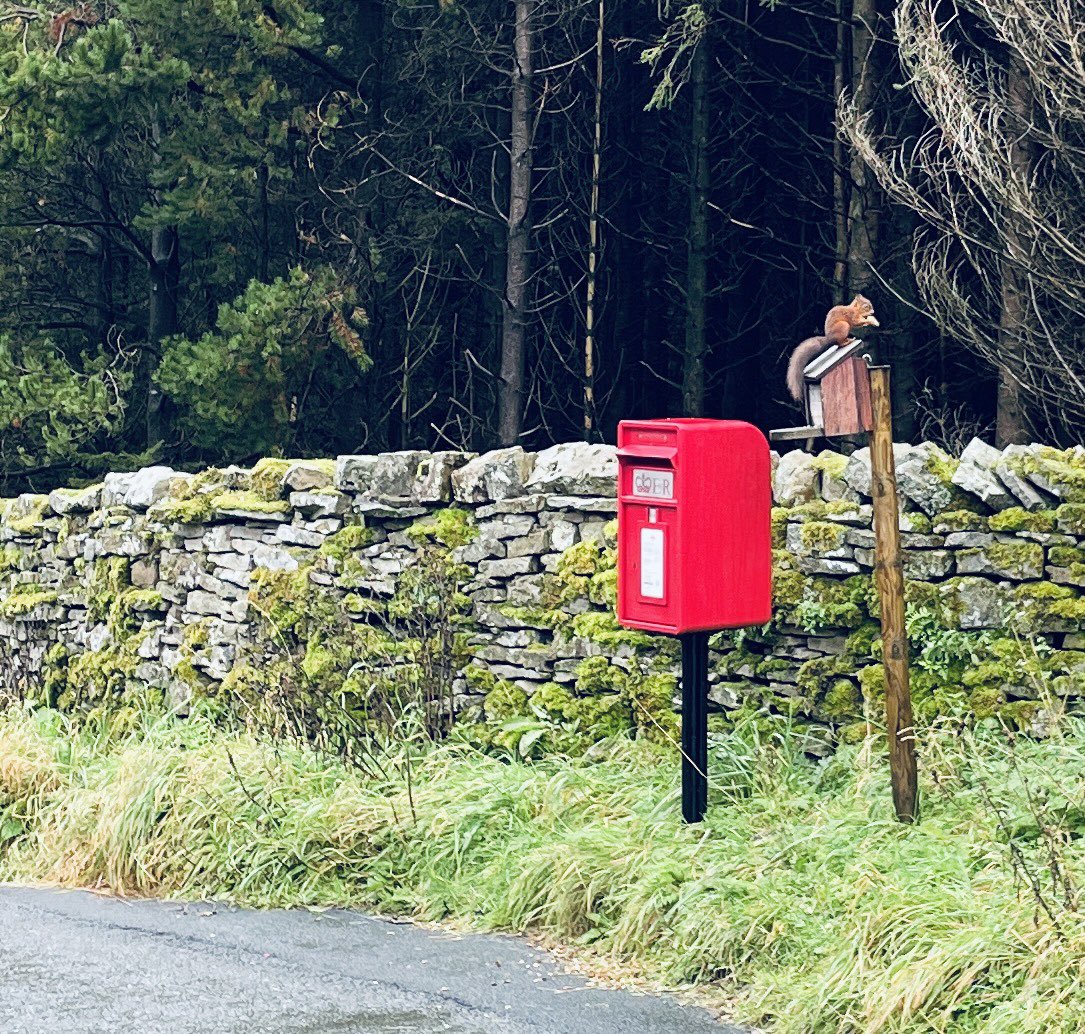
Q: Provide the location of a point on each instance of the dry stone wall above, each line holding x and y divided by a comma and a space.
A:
325, 576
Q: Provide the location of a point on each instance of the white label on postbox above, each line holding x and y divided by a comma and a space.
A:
653, 484
651, 563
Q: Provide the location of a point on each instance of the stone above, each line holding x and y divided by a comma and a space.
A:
382, 510
484, 547
1019, 561
493, 476
86, 500
528, 545
576, 468
796, 479
924, 478
242, 578
977, 602
562, 535
433, 476
510, 527
354, 473
811, 565
968, 540
319, 504
582, 504
292, 535
593, 532
505, 568
143, 573
307, 477
1022, 488
975, 474
857, 472
224, 589
140, 489
520, 504
273, 559
207, 604
927, 564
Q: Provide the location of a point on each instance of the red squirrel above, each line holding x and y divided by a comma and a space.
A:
839, 323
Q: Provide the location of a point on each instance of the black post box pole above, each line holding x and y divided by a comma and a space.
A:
694, 725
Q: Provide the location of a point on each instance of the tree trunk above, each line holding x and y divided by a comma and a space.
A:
165, 277
865, 196
840, 189
518, 255
693, 366
1010, 425
593, 236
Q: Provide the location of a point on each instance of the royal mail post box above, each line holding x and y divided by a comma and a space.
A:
694, 543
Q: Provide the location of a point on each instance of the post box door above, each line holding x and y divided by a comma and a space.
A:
648, 578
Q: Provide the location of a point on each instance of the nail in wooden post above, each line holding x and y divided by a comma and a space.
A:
889, 577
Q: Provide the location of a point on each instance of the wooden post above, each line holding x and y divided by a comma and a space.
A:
889, 577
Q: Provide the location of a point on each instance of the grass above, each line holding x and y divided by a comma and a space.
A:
799, 897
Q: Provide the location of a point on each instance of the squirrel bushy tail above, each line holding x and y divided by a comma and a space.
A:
803, 355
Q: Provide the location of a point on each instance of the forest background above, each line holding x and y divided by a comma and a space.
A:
232, 228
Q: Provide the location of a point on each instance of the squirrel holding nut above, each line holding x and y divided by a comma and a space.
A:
839, 323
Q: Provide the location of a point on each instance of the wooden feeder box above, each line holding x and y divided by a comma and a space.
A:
838, 391
837, 385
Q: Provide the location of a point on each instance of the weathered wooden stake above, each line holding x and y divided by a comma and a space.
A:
889, 577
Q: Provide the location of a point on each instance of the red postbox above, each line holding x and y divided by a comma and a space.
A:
694, 540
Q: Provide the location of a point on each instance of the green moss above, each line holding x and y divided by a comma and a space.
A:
132, 602
1016, 518
872, 683
583, 560
861, 642
1066, 469
346, 542
841, 701
504, 701
821, 536
943, 466
917, 522
819, 674
196, 510
778, 524
596, 675
25, 598
651, 700
26, 515
451, 527
266, 479
832, 463
827, 602
1011, 559
1070, 517
1065, 556
107, 578
787, 587
959, 520
248, 502
602, 627
856, 732
818, 509
610, 533
54, 674
11, 557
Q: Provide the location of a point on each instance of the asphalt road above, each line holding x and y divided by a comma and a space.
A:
78, 963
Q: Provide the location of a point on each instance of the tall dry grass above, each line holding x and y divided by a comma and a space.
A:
800, 896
